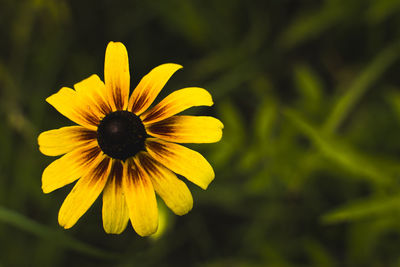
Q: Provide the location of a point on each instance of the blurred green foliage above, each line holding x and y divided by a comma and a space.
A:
308, 170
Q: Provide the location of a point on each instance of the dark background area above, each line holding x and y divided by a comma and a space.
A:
307, 172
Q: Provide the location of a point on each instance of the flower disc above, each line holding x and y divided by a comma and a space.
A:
121, 135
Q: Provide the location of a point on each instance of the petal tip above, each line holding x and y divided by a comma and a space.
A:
209, 101
184, 211
114, 43
118, 46
39, 138
210, 177
205, 185
220, 127
113, 231
45, 184
217, 135
220, 124
146, 232
65, 93
49, 99
177, 66
173, 67
46, 190
63, 222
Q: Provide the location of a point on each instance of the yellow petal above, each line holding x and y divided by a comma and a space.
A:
173, 191
69, 167
140, 198
67, 102
176, 102
63, 140
187, 129
149, 87
84, 193
181, 160
93, 92
116, 75
115, 211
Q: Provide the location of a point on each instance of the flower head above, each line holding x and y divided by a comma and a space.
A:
125, 150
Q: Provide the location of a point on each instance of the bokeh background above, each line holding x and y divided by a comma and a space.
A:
307, 172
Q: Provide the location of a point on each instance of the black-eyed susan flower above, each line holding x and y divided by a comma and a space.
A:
125, 150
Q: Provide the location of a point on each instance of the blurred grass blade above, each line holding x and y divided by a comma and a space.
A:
264, 119
228, 56
309, 86
366, 237
262, 127
363, 209
338, 152
393, 99
365, 80
57, 237
312, 23
380, 10
233, 79
174, 12
318, 254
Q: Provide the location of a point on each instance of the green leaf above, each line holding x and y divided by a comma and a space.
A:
339, 152
57, 237
318, 254
232, 54
309, 86
364, 81
310, 24
262, 127
393, 98
362, 209
233, 79
173, 12
380, 10
366, 237
264, 119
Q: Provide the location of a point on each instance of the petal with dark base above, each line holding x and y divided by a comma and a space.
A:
140, 198
115, 211
187, 129
173, 191
116, 75
149, 87
67, 102
176, 102
84, 193
93, 92
63, 140
181, 160
69, 167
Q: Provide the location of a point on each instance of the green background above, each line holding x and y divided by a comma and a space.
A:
307, 172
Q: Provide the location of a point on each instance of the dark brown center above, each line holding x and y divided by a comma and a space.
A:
121, 135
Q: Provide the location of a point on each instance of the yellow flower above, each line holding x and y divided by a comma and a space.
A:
126, 150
